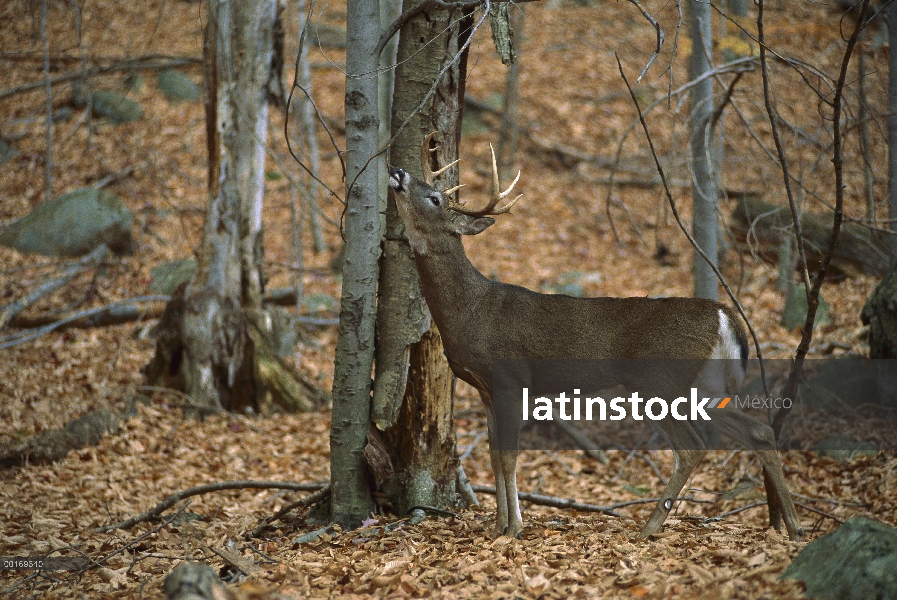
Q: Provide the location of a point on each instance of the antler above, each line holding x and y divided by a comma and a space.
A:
429, 175
496, 197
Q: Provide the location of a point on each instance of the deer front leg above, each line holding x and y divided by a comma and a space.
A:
688, 450
501, 498
508, 459
685, 462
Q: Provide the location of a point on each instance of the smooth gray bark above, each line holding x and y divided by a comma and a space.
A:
704, 177
890, 14
351, 500
307, 131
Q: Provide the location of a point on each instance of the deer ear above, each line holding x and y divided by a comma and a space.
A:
468, 225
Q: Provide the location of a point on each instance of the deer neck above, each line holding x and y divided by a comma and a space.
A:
450, 283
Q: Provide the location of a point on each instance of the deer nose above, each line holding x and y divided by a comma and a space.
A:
396, 177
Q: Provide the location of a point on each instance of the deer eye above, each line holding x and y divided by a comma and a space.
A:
434, 200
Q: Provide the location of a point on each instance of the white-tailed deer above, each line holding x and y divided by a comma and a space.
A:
482, 321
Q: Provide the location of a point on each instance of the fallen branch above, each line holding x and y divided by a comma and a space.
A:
30, 334
312, 498
208, 488
127, 65
9, 312
555, 502
121, 312
114, 314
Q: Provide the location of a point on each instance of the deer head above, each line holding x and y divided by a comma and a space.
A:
428, 212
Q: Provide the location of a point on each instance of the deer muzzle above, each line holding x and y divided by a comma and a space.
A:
397, 179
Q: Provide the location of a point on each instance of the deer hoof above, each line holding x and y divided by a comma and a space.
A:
515, 532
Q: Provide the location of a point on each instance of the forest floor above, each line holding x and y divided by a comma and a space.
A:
573, 111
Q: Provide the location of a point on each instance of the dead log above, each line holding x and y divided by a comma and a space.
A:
55, 444
762, 226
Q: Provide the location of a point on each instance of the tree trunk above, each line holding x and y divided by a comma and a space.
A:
215, 341
413, 392
890, 14
704, 177
351, 499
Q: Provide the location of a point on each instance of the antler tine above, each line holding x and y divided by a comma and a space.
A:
430, 175
496, 196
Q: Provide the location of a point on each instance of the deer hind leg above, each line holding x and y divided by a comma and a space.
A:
688, 450
759, 437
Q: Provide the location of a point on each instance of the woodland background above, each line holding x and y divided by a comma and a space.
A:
573, 110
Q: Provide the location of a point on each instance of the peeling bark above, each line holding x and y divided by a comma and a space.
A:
412, 394
215, 342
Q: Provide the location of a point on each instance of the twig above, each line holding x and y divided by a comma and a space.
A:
312, 498
740, 509
830, 501
837, 161
208, 488
472, 445
819, 512
9, 312
140, 538
656, 26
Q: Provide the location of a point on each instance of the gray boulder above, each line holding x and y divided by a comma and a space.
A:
72, 225
175, 86
168, 276
116, 107
858, 561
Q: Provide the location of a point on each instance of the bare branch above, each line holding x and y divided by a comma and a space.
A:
837, 161
697, 248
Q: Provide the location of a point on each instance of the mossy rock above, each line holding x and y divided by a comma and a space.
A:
168, 276
72, 225
844, 448
176, 86
858, 561
116, 107
880, 314
794, 315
